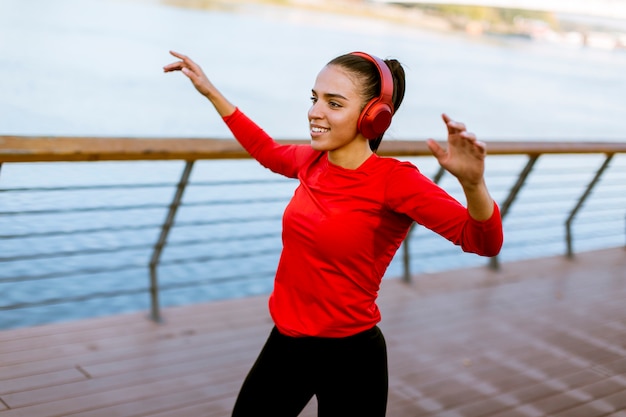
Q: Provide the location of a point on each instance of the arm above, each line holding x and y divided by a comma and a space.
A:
465, 159
411, 193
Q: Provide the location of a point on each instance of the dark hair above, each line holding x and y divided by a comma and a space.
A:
367, 75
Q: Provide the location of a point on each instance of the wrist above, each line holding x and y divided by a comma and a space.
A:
473, 186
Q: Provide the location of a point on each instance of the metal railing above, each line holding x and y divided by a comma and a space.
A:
26, 150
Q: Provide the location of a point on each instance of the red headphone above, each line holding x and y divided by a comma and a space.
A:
376, 115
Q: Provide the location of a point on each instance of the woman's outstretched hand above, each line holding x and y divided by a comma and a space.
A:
201, 82
464, 157
192, 71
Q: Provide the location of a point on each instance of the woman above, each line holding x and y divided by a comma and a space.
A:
341, 229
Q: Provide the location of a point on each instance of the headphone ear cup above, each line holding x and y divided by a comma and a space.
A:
374, 119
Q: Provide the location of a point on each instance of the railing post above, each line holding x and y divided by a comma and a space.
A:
506, 205
160, 244
406, 256
406, 276
581, 201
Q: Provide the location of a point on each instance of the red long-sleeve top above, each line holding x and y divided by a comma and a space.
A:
342, 228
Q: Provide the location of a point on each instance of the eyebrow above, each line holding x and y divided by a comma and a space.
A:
331, 95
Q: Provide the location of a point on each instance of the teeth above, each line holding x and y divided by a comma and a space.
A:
319, 129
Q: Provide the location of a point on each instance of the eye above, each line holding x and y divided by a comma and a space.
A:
313, 99
334, 104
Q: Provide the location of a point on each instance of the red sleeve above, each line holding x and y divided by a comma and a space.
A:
282, 159
411, 193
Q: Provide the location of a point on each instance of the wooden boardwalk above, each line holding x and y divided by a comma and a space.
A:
544, 337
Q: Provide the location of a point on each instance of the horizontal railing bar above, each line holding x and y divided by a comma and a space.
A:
51, 149
179, 224
73, 299
612, 179
219, 280
529, 222
229, 220
191, 242
207, 258
535, 202
69, 253
562, 189
133, 291
91, 271
144, 206
97, 251
140, 186
82, 210
551, 172
259, 200
95, 230
556, 184
204, 203
72, 273
86, 187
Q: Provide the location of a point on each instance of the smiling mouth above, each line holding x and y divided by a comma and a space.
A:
317, 129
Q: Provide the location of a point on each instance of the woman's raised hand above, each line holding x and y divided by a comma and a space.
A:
464, 157
201, 82
193, 72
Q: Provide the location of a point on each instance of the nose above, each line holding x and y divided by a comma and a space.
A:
315, 111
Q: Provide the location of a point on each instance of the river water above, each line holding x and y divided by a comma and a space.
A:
94, 68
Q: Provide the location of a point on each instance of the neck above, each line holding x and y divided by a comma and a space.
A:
349, 160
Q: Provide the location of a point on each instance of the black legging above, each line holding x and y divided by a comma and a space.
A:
347, 375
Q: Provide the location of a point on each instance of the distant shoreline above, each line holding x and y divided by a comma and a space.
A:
398, 14
574, 31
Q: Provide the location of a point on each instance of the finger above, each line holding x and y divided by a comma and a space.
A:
174, 66
188, 61
482, 147
185, 59
178, 55
468, 136
436, 149
453, 126
189, 73
470, 142
447, 120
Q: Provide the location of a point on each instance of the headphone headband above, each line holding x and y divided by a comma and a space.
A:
376, 115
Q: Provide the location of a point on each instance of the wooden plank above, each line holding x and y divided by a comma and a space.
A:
50, 379
146, 382
138, 393
116, 339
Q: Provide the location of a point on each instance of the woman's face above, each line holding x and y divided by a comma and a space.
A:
335, 111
